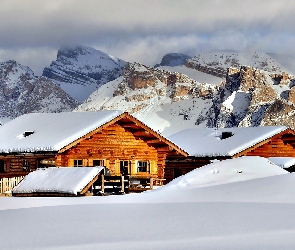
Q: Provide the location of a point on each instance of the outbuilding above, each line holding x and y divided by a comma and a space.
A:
205, 145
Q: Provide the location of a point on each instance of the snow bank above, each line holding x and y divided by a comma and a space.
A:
227, 171
246, 214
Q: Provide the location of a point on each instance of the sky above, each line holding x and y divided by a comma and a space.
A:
32, 31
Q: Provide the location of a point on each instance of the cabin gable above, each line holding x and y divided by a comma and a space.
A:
124, 146
280, 145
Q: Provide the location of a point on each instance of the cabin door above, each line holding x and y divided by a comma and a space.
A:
177, 172
124, 167
2, 166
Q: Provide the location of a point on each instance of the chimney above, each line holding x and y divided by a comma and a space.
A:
225, 135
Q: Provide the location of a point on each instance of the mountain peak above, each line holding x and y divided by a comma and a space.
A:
80, 70
21, 92
13, 67
173, 59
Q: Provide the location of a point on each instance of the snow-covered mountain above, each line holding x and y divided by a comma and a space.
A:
80, 70
171, 101
163, 99
21, 92
217, 63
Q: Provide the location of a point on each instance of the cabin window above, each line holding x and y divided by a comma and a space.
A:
2, 166
143, 166
124, 167
99, 163
26, 165
78, 163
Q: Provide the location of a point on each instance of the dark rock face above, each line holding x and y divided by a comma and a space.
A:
81, 70
173, 59
21, 92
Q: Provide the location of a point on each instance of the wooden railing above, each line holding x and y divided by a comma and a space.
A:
7, 184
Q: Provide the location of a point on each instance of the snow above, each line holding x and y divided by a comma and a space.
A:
194, 74
224, 60
255, 213
60, 180
208, 142
227, 171
52, 131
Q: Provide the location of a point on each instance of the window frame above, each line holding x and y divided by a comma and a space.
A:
76, 163
100, 165
143, 166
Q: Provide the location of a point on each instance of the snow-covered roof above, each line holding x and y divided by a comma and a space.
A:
208, 142
283, 162
50, 131
69, 180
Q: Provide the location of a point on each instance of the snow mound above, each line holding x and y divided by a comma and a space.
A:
227, 171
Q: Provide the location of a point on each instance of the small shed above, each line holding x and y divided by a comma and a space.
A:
62, 181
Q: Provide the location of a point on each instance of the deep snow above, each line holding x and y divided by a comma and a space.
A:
251, 213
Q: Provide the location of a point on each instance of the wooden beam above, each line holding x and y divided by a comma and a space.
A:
84, 190
129, 125
141, 132
152, 141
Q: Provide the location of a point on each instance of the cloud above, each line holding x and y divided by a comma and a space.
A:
32, 31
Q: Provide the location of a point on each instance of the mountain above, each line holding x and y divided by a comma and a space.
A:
162, 99
171, 101
217, 63
80, 70
21, 92
173, 59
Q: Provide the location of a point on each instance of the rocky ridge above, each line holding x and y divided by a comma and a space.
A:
217, 63
247, 97
252, 97
21, 92
142, 86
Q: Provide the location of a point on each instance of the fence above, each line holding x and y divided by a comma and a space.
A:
7, 184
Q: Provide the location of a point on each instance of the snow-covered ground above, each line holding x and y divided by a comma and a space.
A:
194, 74
253, 211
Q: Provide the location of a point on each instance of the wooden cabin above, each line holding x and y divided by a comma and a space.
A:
205, 145
113, 139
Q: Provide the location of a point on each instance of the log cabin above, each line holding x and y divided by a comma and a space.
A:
205, 145
113, 139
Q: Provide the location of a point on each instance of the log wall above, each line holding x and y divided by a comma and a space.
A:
114, 144
276, 147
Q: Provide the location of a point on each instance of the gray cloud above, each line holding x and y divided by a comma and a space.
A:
32, 31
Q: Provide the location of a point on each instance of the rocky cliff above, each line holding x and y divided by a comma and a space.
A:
21, 92
251, 97
80, 70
